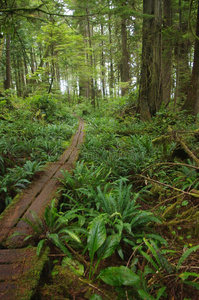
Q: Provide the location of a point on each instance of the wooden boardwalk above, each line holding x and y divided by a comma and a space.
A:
16, 261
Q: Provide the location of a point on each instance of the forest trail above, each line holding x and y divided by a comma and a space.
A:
20, 267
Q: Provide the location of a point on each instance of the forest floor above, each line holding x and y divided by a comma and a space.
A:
17, 267
126, 224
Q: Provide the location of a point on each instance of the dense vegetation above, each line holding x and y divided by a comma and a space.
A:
128, 213
33, 132
126, 225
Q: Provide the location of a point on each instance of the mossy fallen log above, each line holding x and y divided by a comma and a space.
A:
67, 283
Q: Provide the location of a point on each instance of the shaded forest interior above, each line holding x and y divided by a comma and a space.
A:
126, 226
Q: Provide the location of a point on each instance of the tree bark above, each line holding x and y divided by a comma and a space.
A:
7, 83
102, 63
150, 92
192, 101
2, 42
125, 57
182, 50
111, 74
91, 61
84, 84
166, 53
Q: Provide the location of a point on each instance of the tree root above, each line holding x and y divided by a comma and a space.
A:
188, 151
169, 186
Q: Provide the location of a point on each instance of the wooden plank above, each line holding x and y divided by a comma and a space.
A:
13, 255
13, 212
7, 291
18, 280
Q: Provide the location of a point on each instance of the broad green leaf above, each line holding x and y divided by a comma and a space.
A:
71, 234
144, 295
56, 240
120, 252
109, 246
95, 297
118, 276
74, 265
40, 246
96, 235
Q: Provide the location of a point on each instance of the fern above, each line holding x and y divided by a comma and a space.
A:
185, 255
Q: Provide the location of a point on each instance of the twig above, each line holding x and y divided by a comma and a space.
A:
189, 152
169, 186
127, 297
167, 200
171, 164
76, 254
128, 263
95, 287
61, 255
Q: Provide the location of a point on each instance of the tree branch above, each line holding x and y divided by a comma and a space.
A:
169, 186
38, 9
15, 9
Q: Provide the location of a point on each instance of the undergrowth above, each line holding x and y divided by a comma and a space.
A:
32, 133
138, 185
128, 215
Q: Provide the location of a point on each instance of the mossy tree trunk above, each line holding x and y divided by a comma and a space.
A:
166, 52
111, 73
192, 101
7, 83
182, 52
125, 57
150, 91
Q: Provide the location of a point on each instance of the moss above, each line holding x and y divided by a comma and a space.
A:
67, 284
29, 280
10, 207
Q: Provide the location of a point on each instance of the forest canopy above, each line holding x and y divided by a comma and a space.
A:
143, 50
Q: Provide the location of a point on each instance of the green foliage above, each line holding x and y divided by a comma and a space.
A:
96, 237
43, 105
73, 265
118, 276
186, 177
124, 155
111, 201
17, 178
27, 142
56, 229
185, 255
82, 184
117, 200
124, 214
157, 266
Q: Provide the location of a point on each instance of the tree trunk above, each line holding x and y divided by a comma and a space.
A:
7, 82
125, 58
182, 50
111, 75
91, 60
150, 92
2, 41
84, 84
102, 63
192, 101
166, 53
